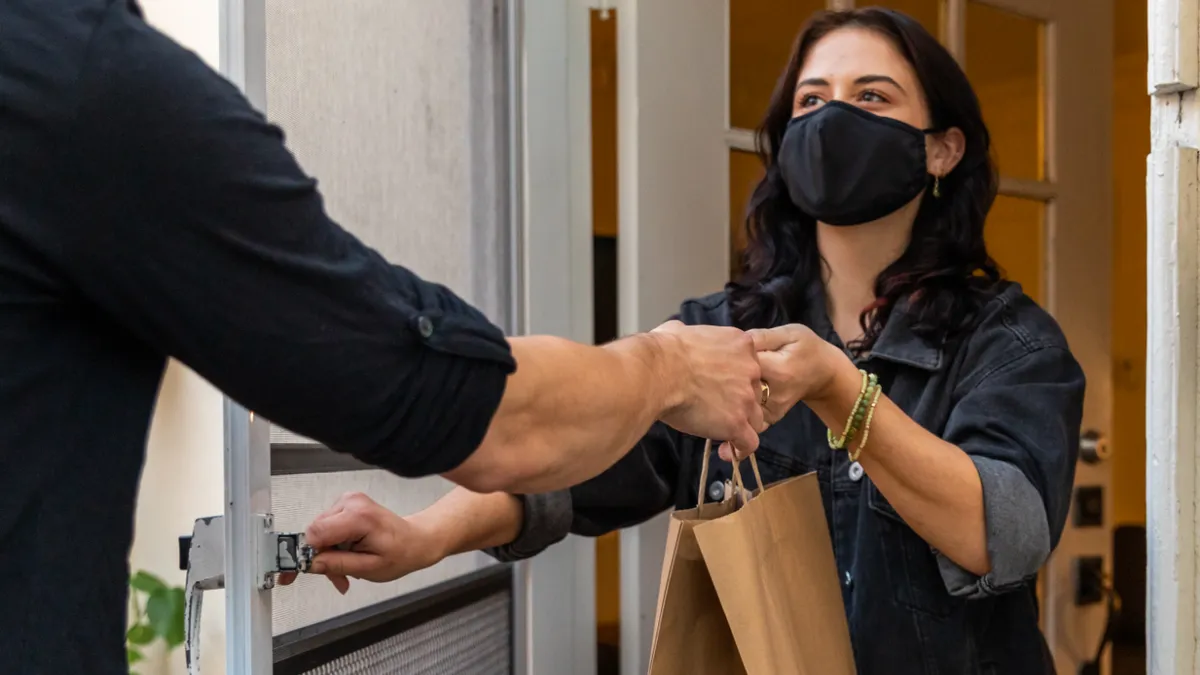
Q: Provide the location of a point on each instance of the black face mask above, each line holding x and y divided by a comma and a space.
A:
845, 166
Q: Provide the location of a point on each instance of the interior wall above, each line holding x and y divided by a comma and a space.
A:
183, 478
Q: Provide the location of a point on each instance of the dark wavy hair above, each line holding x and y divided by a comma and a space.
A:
945, 273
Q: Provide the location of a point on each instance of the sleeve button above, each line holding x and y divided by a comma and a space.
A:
424, 327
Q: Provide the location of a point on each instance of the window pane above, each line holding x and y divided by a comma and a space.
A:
1014, 239
927, 12
1005, 64
761, 33
745, 170
604, 123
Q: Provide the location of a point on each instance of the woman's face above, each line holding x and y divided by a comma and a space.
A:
860, 67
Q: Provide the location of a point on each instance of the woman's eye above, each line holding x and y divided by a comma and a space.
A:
809, 100
870, 96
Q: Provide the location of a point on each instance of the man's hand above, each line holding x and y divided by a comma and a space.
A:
381, 546
721, 392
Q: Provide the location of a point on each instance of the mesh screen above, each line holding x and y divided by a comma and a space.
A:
474, 640
396, 106
281, 435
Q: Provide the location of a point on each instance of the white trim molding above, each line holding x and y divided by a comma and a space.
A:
1173, 46
1173, 340
1171, 408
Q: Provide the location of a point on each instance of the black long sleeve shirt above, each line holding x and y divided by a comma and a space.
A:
148, 211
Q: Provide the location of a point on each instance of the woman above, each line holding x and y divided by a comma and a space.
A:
871, 297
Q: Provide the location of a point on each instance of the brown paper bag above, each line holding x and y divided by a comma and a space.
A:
753, 589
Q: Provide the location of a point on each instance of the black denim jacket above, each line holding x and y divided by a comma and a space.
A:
1009, 394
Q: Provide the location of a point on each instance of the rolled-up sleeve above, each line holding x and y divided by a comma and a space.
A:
1020, 425
194, 229
638, 487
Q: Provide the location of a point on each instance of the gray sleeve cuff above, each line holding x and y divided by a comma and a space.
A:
547, 521
1018, 533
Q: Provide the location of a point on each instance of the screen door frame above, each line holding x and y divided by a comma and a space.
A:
247, 456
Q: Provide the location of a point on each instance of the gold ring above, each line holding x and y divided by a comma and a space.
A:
766, 393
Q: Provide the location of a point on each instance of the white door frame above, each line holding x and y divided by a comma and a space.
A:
1172, 340
556, 591
247, 456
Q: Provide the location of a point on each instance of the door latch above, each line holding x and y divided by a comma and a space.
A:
1093, 447
202, 556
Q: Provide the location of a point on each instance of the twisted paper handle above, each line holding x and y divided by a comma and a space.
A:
737, 474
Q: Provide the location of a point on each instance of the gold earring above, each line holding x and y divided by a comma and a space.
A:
937, 187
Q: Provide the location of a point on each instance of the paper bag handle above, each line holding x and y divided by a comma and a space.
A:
737, 473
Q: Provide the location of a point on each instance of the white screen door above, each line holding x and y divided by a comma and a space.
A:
694, 79
421, 154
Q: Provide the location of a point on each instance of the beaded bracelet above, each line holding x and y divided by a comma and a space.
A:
867, 424
855, 421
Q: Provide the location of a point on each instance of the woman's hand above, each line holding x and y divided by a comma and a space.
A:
380, 545
797, 365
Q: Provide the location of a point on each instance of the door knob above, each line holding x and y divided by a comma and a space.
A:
1093, 447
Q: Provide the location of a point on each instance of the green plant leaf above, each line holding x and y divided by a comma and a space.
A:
164, 610
140, 634
146, 582
133, 655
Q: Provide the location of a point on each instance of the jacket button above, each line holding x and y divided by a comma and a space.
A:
716, 491
856, 472
424, 327
847, 579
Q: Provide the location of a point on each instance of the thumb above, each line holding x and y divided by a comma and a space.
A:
773, 364
772, 339
346, 564
339, 528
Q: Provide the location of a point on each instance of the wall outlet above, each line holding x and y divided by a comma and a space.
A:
1089, 580
1089, 506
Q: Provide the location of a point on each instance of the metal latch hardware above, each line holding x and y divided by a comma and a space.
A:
202, 555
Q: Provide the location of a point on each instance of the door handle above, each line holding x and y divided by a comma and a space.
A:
1093, 447
202, 556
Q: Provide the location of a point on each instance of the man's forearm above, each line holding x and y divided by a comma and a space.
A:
570, 411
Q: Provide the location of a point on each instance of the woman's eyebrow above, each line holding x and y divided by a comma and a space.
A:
872, 79
812, 82
865, 79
